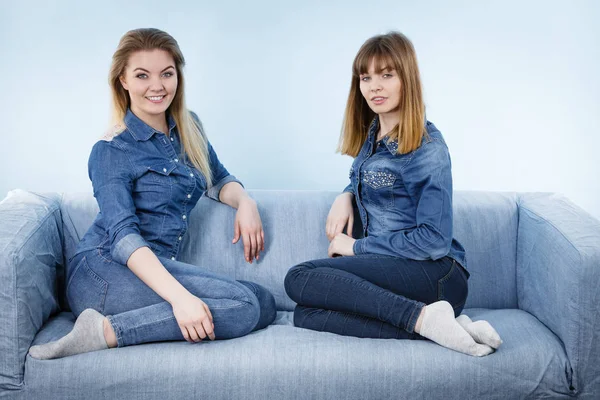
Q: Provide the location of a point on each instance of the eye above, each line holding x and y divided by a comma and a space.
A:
141, 76
365, 78
387, 75
168, 74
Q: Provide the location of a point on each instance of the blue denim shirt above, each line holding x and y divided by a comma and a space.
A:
145, 187
405, 200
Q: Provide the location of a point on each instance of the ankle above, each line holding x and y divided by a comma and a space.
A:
419, 321
109, 334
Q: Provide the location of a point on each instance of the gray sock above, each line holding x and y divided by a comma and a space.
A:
87, 335
440, 326
480, 330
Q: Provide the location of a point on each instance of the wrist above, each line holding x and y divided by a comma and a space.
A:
178, 296
246, 200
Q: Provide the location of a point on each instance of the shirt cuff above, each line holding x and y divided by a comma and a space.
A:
359, 246
125, 247
214, 191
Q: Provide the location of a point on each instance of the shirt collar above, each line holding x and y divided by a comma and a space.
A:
391, 145
140, 130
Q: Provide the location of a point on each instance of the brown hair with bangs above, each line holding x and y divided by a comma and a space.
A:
392, 51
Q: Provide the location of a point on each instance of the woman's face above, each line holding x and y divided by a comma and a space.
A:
381, 89
151, 80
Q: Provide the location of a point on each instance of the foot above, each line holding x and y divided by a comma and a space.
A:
87, 335
481, 331
439, 325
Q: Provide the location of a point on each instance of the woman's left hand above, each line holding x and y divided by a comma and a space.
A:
248, 226
341, 245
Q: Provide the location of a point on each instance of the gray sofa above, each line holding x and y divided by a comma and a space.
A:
535, 272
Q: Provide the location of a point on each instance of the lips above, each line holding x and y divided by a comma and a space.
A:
378, 99
156, 99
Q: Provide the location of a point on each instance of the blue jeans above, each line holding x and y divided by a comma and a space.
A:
139, 315
372, 295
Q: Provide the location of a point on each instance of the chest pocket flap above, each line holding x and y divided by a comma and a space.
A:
162, 168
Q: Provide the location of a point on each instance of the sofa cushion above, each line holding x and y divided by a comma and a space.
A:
287, 362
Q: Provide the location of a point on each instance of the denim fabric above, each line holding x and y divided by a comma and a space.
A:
139, 315
30, 264
405, 200
558, 276
283, 362
370, 295
145, 187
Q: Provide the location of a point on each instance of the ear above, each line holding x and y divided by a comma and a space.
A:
123, 83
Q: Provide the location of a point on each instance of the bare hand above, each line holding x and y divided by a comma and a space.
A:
342, 245
340, 214
194, 318
248, 226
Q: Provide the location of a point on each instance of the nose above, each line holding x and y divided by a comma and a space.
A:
375, 85
156, 85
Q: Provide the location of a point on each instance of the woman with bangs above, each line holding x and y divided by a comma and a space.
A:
125, 283
405, 277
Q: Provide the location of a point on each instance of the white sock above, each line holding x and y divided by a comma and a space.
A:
87, 335
440, 326
480, 330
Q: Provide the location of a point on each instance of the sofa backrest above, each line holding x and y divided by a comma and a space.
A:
485, 223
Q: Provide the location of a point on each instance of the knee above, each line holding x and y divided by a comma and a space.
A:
266, 304
295, 279
310, 318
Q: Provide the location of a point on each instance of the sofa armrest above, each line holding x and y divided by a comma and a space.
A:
558, 279
30, 251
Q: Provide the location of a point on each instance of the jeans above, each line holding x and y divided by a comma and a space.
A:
138, 315
372, 295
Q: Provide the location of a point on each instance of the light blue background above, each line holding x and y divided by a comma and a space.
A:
513, 85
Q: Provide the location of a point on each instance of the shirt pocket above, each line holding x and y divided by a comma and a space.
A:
379, 186
161, 173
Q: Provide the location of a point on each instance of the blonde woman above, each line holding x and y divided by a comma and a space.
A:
406, 278
126, 284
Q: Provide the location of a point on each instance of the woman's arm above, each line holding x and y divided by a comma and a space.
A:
192, 314
248, 224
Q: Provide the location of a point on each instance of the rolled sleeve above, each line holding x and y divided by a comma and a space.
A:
214, 190
348, 189
112, 177
126, 245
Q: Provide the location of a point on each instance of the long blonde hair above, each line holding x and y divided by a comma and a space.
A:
394, 51
194, 142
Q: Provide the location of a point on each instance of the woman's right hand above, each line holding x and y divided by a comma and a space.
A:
340, 214
194, 318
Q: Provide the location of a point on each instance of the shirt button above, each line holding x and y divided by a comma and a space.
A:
179, 238
164, 170
189, 196
184, 217
176, 160
172, 138
191, 174
173, 258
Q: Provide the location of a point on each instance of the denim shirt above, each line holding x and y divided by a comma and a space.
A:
405, 200
145, 188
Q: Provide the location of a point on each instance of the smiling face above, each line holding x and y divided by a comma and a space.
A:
150, 78
381, 89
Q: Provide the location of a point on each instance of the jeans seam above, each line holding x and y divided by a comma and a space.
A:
360, 284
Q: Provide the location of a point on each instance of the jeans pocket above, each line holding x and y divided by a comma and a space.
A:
86, 289
453, 288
